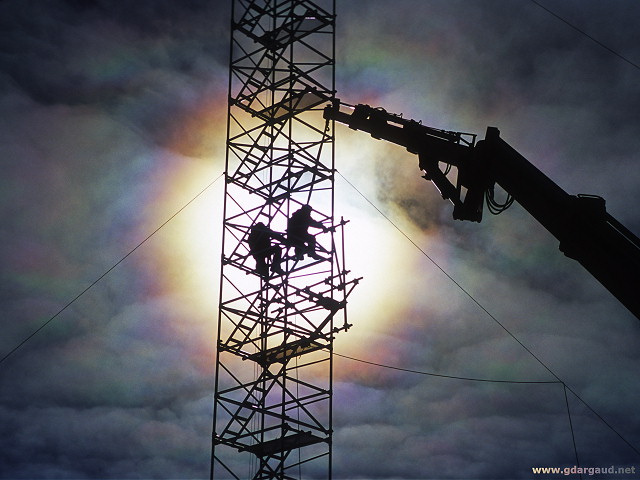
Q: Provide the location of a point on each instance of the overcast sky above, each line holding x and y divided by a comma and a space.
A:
113, 118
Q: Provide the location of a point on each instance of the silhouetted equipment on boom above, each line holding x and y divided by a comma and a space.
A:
587, 233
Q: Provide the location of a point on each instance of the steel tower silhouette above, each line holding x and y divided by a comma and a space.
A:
281, 302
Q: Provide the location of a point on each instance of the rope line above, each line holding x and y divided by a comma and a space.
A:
573, 437
579, 30
96, 281
457, 284
453, 280
487, 380
454, 377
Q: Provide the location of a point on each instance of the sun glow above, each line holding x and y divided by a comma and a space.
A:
189, 258
374, 249
189, 255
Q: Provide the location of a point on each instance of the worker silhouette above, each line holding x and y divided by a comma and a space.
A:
299, 237
262, 250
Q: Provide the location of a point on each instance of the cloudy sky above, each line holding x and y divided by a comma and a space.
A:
113, 119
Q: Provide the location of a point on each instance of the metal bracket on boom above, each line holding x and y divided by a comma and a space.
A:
434, 148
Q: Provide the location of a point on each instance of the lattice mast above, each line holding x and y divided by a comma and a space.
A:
280, 304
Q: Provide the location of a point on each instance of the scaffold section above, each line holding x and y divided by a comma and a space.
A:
280, 305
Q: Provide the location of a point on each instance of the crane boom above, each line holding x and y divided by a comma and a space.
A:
586, 231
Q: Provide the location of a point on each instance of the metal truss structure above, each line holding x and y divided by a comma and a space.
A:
280, 304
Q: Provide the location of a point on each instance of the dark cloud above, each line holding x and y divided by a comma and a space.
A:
104, 103
96, 97
147, 64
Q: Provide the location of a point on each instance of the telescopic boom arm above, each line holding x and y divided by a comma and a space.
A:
587, 233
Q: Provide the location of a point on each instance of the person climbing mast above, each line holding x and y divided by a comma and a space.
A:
261, 249
298, 235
